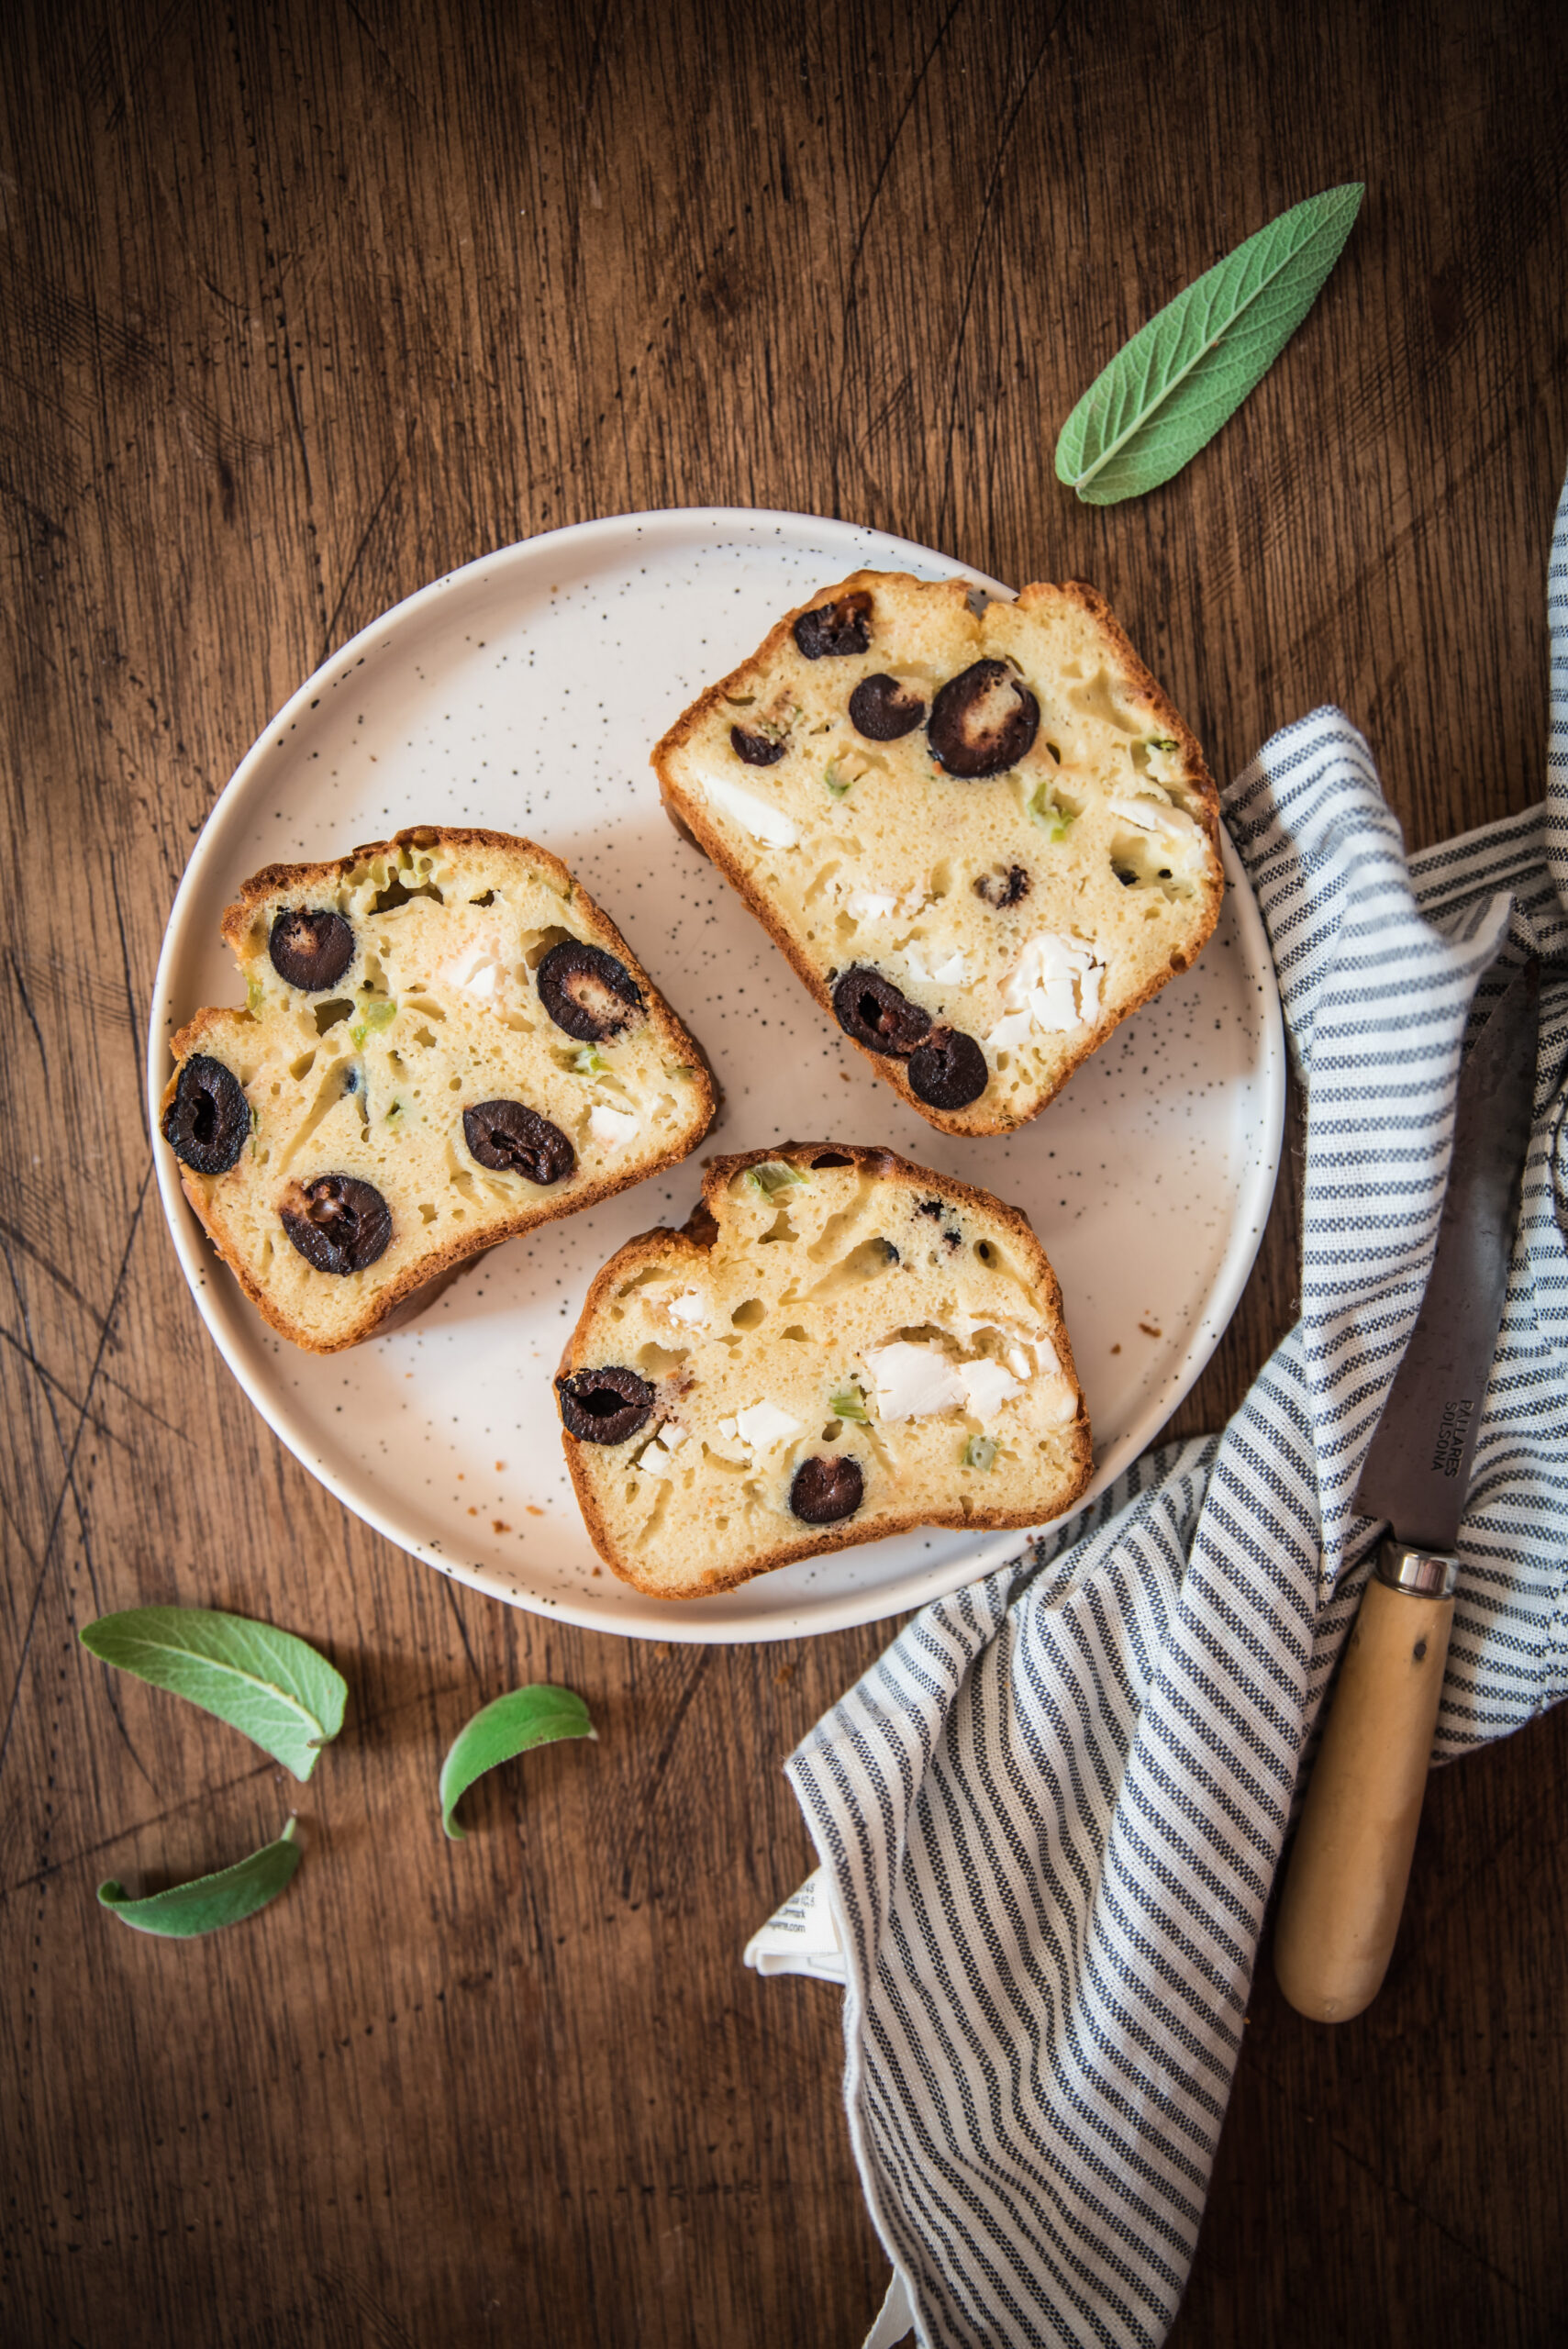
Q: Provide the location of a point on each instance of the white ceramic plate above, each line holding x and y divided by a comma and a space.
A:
525, 692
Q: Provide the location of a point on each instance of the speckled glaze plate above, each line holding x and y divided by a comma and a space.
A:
525, 692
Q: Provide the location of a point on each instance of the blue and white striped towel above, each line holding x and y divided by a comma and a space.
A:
1048, 1819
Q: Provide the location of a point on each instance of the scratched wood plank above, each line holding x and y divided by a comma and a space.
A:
301, 307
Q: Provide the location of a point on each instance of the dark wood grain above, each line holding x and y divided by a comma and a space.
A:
300, 305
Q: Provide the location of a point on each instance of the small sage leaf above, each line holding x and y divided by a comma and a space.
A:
1170, 389
210, 1901
265, 1683
514, 1724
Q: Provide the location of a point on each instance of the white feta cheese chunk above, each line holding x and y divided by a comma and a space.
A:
953, 970
1054, 986
726, 1430
914, 1382
1047, 1360
1154, 816
690, 1308
654, 1460
671, 1436
614, 1128
477, 973
880, 905
986, 1386
1019, 1361
1054, 1006
765, 823
764, 1425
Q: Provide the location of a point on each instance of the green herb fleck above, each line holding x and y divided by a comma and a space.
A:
838, 784
1164, 742
848, 1403
210, 1901
587, 1062
775, 1175
513, 1724
1046, 813
255, 996
979, 1451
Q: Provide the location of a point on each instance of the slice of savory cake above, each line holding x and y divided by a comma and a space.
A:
839, 1345
981, 841
444, 1043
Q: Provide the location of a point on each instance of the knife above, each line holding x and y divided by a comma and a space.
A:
1345, 1885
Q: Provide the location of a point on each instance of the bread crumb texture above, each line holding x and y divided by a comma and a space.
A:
996, 812
840, 1346
409, 1095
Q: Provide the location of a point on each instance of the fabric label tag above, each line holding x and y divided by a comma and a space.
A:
798, 1938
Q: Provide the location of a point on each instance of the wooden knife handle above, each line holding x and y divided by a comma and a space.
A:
1345, 1887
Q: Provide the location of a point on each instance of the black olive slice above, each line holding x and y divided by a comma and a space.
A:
827, 1487
605, 1406
843, 626
949, 1071
337, 1223
207, 1124
757, 750
982, 721
1000, 893
872, 1010
882, 710
310, 950
588, 993
510, 1139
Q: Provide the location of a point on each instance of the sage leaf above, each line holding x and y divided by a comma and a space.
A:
271, 1686
1170, 389
210, 1901
514, 1724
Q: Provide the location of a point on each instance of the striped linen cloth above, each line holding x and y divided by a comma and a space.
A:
1048, 1819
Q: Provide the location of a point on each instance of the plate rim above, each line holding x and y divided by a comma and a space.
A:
854, 1607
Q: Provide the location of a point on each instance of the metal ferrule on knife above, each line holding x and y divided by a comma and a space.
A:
1424, 1574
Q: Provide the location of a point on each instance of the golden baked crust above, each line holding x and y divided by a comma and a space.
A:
1112, 796
875, 1247
368, 1077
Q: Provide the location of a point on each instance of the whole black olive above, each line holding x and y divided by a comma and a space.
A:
949, 1071
513, 1140
827, 1487
758, 749
982, 721
311, 950
588, 993
873, 1011
605, 1406
837, 628
882, 710
337, 1223
207, 1123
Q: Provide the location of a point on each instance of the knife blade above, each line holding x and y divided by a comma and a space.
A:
1345, 1885
1417, 1469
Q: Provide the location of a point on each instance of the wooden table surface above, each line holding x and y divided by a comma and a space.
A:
305, 304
